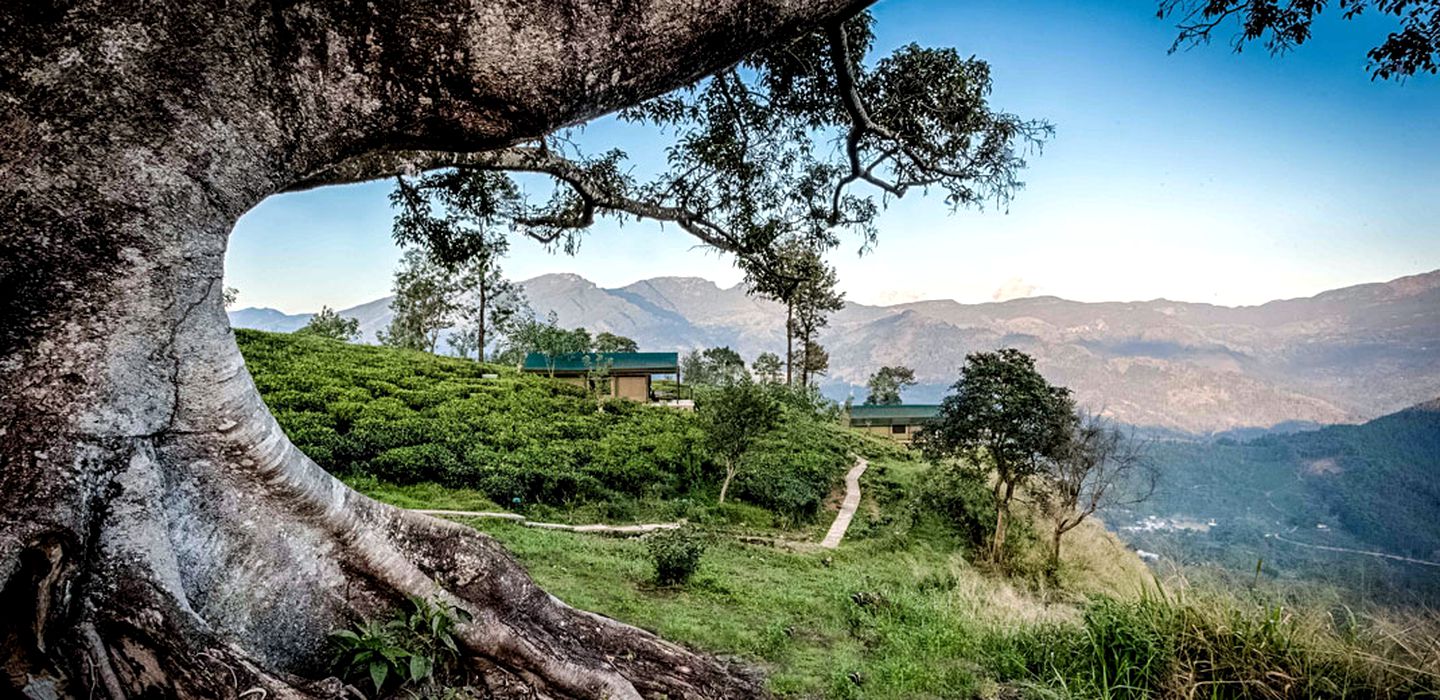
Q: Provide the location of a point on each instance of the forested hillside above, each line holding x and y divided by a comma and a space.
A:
1372, 487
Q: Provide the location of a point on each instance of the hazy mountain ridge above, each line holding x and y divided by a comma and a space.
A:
1345, 355
1370, 487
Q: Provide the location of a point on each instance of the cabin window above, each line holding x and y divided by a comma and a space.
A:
897, 430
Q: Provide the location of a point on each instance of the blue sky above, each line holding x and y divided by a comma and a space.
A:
1200, 176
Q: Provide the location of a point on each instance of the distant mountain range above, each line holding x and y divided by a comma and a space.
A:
1346, 355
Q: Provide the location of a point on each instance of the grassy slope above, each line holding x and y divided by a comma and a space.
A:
897, 612
901, 611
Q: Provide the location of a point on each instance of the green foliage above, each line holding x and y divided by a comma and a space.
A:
526, 334
794, 466
713, 367
795, 274
902, 615
1411, 46
767, 367
423, 304
886, 384
1371, 485
734, 416
329, 324
610, 342
1004, 407
414, 650
963, 497
1003, 410
676, 554
406, 417
1220, 647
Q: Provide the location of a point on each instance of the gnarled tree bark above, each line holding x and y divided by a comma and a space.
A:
159, 535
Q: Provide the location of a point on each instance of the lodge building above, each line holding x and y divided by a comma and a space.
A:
899, 422
630, 374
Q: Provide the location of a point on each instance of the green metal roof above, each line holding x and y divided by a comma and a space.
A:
897, 414
620, 362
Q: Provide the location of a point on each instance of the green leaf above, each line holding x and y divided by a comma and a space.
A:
420, 667
379, 671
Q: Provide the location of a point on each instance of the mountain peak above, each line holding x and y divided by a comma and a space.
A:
559, 278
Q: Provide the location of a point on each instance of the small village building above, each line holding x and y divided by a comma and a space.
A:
899, 422
629, 374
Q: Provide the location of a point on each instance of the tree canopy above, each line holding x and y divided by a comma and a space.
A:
330, 324
886, 384
1003, 412
1413, 47
801, 141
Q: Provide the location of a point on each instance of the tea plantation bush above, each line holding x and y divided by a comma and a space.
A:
408, 417
676, 555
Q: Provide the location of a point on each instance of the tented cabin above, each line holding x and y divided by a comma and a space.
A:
899, 422
629, 373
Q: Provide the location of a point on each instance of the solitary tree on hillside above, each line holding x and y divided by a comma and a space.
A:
1099, 466
165, 537
767, 367
797, 277
813, 361
329, 324
886, 384
424, 303
734, 416
609, 342
459, 228
1004, 412
815, 299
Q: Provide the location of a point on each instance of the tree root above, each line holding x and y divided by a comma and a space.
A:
222, 560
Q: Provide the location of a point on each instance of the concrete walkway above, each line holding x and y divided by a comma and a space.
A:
847, 506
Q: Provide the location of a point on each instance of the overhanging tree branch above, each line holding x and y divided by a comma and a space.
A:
527, 159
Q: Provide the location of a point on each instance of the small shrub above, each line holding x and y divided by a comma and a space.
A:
414, 650
963, 498
676, 554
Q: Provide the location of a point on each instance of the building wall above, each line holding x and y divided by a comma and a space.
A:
887, 431
633, 388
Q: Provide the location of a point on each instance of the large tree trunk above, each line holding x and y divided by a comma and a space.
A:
161, 536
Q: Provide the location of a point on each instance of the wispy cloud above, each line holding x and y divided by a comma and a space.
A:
1013, 288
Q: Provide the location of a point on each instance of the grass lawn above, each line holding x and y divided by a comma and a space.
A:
893, 613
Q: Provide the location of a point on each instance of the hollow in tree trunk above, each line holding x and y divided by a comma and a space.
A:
161, 536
